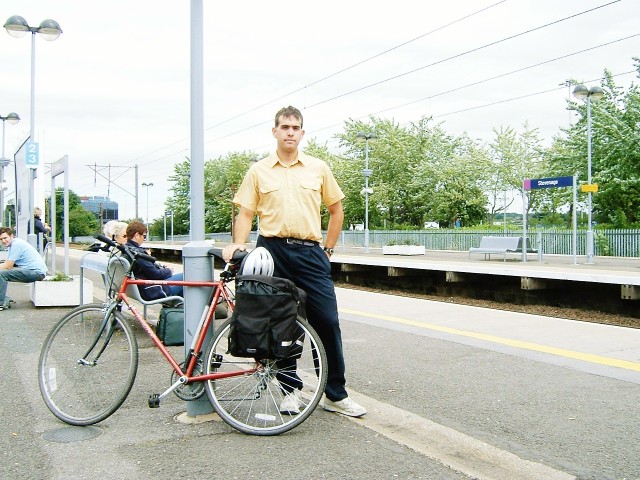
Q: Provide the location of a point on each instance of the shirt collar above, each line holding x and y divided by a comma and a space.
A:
275, 159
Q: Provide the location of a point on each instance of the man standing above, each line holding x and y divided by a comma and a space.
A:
23, 264
286, 190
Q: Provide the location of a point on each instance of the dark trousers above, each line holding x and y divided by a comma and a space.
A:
309, 268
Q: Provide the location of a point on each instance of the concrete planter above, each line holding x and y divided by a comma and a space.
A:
403, 250
61, 294
391, 249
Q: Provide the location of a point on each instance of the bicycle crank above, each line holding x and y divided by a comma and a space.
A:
191, 391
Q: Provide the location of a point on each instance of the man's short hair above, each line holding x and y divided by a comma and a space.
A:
286, 112
135, 227
6, 230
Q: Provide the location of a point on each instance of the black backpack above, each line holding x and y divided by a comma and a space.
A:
264, 322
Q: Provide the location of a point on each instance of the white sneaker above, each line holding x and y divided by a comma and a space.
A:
346, 406
290, 403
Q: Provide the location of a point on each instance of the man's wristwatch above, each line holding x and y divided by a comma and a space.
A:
328, 250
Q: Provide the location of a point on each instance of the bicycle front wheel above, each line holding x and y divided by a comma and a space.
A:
250, 397
46, 254
87, 365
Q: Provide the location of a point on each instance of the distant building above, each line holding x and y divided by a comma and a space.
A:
103, 208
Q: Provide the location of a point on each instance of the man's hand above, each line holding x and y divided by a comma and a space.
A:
229, 250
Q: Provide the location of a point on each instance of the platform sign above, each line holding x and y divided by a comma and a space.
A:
589, 188
32, 154
555, 182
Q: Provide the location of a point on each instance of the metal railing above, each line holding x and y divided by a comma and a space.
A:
618, 243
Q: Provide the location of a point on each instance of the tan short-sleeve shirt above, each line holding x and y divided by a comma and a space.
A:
288, 199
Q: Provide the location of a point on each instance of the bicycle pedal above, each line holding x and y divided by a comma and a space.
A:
154, 400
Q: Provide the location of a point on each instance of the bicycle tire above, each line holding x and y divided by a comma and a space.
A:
250, 403
86, 393
46, 254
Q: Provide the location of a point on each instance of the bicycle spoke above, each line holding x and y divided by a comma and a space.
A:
251, 403
86, 370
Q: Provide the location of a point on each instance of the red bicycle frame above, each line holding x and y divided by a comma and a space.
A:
219, 291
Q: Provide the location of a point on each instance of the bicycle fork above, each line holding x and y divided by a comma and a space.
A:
109, 322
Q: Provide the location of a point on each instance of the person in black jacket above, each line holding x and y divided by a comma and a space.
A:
146, 270
40, 227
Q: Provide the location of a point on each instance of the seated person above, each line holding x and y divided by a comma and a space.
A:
146, 270
107, 228
116, 231
40, 227
23, 264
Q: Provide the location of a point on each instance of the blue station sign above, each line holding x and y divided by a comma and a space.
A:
555, 182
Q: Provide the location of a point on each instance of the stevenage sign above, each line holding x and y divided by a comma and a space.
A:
535, 183
553, 182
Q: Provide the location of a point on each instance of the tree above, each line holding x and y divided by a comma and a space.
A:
81, 221
389, 160
180, 202
514, 156
615, 153
223, 176
449, 177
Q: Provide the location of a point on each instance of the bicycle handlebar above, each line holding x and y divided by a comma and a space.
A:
132, 254
237, 255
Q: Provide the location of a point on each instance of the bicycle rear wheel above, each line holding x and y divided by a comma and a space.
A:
250, 401
88, 365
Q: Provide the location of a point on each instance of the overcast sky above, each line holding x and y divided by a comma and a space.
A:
113, 90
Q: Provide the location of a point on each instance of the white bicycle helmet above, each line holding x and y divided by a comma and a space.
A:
258, 262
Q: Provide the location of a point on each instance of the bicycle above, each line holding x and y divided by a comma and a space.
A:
89, 360
46, 250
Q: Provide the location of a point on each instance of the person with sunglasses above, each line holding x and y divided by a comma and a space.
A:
145, 270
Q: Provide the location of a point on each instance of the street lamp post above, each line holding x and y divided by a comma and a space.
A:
49, 30
147, 185
366, 173
12, 118
588, 95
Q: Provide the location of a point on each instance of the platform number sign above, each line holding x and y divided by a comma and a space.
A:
33, 154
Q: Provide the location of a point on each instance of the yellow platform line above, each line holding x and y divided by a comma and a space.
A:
561, 352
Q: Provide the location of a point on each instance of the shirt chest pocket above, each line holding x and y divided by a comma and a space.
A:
271, 195
313, 185
310, 192
269, 188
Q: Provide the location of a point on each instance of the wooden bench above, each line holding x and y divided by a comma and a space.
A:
498, 246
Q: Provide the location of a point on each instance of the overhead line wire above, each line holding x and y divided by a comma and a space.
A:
400, 75
477, 107
479, 82
498, 102
361, 62
426, 66
467, 52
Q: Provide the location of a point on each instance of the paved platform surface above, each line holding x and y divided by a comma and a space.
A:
453, 392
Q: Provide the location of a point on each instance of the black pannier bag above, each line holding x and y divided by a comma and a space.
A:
264, 322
